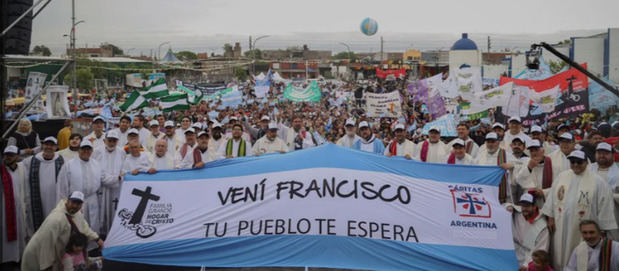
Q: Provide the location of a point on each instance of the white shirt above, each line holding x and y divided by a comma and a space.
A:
402, 149
221, 152
594, 258
264, 145
122, 137
347, 141
466, 160
189, 161
141, 163
97, 141
164, 162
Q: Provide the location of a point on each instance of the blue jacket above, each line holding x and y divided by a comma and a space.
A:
379, 147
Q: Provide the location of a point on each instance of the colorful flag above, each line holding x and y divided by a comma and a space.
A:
135, 101
174, 102
156, 90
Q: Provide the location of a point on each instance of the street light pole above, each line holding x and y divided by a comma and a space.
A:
253, 52
73, 58
349, 56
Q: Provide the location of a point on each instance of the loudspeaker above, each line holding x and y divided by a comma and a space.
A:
17, 40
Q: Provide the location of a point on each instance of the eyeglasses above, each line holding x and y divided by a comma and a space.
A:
578, 162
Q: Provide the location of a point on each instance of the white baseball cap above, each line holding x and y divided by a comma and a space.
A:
168, 123
202, 133
399, 126
190, 130
86, 143
566, 136
112, 134
435, 128
528, 198
272, 126
363, 124
50, 139
11, 149
77, 196
216, 124
604, 147
577, 154
233, 118
350, 122
515, 118
98, 118
153, 123
492, 136
495, 125
458, 141
197, 125
265, 117
519, 138
533, 143
133, 131
536, 129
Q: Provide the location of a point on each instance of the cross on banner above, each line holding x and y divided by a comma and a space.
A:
139, 210
471, 203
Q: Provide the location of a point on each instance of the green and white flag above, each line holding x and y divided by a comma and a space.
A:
174, 102
310, 94
135, 101
156, 89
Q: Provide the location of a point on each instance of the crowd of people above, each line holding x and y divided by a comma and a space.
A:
560, 181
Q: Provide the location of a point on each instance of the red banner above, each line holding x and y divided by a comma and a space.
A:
580, 81
397, 73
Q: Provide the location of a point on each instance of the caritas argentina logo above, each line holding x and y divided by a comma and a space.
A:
156, 213
469, 202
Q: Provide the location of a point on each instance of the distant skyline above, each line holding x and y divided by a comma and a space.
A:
204, 26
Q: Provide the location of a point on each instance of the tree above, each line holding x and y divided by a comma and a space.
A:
254, 54
116, 51
556, 66
85, 79
41, 50
240, 73
228, 51
345, 55
186, 55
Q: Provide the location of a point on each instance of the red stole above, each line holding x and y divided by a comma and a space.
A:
452, 159
501, 159
468, 147
197, 155
9, 204
547, 175
424, 150
393, 148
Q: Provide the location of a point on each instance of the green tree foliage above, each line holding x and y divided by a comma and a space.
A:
186, 55
228, 50
345, 55
556, 66
240, 73
85, 78
41, 50
116, 51
254, 54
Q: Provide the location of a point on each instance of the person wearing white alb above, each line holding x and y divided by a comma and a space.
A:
400, 146
200, 155
606, 168
536, 175
349, 139
153, 136
217, 137
432, 150
236, 146
470, 146
537, 132
559, 159
174, 142
296, 137
270, 142
123, 130
98, 133
515, 130
529, 228
137, 161
160, 158
186, 148
458, 154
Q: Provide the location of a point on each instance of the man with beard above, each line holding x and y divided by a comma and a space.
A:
123, 130
595, 252
74, 145
98, 135
515, 161
470, 146
153, 136
559, 159
296, 137
259, 132
368, 142
350, 137
400, 146
538, 133
138, 124
217, 137
200, 155
173, 141
137, 161
432, 150
494, 155
40, 191
269, 143
187, 147
111, 158
529, 228
609, 171
458, 154
11, 209
235, 146
536, 174
48, 244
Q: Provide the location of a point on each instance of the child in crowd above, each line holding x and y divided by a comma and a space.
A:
74, 259
541, 261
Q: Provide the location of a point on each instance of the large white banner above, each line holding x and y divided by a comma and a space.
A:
338, 198
383, 105
491, 98
134, 80
34, 86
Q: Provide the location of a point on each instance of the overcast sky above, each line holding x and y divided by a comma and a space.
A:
205, 25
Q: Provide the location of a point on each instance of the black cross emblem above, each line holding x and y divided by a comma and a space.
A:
139, 211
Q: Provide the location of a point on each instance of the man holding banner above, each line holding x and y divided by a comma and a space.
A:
494, 155
400, 146
432, 150
368, 141
470, 146
269, 143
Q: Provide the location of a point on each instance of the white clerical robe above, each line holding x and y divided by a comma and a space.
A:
189, 161
221, 152
574, 198
264, 145
437, 152
67, 154
162, 162
84, 176
347, 141
593, 257
214, 144
474, 146
178, 155
122, 137
560, 162
508, 138
466, 160
48, 244
180, 133
532, 178
288, 134
143, 133
96, 141
174, 143
12, 250
529, 237
47, 187
150, 140
611, 176
141, 163
111, 163
402, 149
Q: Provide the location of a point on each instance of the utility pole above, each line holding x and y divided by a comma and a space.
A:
489, 44
381, 50
253, 57
73, 57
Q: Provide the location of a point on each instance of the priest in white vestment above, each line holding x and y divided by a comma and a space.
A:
200, 155
236, 146
529, 228
270, 142
458, 154
296, 137
13, 215
161, 159
432, 150
470, 146
400, 146
595, 252
74, 145
609, 171
136, 161
152, 137
98, 132
559, 159
349, 139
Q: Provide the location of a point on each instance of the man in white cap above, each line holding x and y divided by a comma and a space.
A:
83, 174
350, 137
529, 228
400, 146
47, 246
111, 159
259, 132
499, 129
494, 155
296, 137
368, 141
606, 167
236, 146
98, 132
538, 133
577, 194
137, 161
200, 155
11, 207
559, 159
133, 135
515, 130
536, 175
174, 142
217, 137
470, 146
516, 159
458, 154
595, 252
40, 189
161, 159
432, 150
270, 142
138, 124
123, 128
187, 147
154, 135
